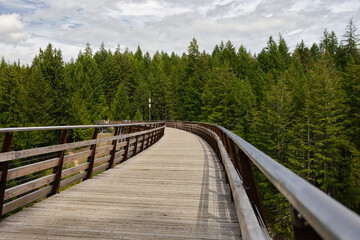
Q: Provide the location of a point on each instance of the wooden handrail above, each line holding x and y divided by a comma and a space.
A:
58, 172
315, 215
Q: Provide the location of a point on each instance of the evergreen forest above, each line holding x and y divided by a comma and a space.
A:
302, 108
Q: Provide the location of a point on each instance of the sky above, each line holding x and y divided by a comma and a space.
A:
28, 25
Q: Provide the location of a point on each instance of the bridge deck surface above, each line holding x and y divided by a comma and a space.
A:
174, 190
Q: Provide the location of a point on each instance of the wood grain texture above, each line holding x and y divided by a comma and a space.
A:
174, 190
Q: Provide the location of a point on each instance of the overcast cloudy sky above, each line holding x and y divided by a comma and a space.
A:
27, 25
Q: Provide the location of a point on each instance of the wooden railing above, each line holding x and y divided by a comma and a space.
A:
46, 170
315, 215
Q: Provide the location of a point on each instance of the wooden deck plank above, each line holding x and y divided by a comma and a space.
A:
174, 190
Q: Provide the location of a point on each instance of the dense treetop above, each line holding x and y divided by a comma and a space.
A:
301, 107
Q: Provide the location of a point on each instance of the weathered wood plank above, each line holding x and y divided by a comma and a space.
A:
31, 168
29, 186
73, 170
72, 179
26, 199
56, 148
165, 192
102, 160
69, 159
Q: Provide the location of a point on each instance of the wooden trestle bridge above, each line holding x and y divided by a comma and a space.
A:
174, 180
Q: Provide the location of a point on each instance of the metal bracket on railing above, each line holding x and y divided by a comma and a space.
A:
302, 229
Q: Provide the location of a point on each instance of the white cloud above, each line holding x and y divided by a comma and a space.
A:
344, 6
165, 24
149, 8
11, 28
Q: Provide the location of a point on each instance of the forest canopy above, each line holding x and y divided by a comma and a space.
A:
302, 107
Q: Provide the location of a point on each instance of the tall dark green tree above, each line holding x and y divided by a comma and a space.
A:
51, 66
120, 107
10, 99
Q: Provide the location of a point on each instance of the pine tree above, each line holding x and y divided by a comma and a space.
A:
351, 43
218, 97
10, 104
51, 65
321, 129
351, 86
329, 44
137, 116
80, 116
37, 98
120, 108
91, 85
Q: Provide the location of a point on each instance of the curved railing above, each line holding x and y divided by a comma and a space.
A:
314, 214
46, 170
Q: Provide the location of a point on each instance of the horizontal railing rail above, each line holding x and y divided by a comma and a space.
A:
49, 128
315, 215
46, 170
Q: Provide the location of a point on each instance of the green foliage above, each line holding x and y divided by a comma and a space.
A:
301, 108
120, 107
52, 69
10, 99
138, 116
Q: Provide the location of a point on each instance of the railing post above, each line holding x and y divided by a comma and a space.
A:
142, 143
223, 139
6, 147
232, 151
157, 135
113, 151
127, 149
153, 138
135, 145
249, 183
149, 142
235, 155
91, 159
58, 169
302, 230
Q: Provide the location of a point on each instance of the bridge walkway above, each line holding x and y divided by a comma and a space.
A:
174, 190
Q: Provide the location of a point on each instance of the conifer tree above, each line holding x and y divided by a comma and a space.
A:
10, 104
52, 68
321, 127
120, 108
137, 116
351, 43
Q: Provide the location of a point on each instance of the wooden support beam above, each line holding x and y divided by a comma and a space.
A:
113, 151
126, 149
6, 147
135, 145
142, 143
249, 182
91, 159
58, 169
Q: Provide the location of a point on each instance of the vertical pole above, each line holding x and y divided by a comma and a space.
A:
114, 143
249, 183
135, 145
231, 150
235, 155
149, 106
148, 143
152, 138
225, 142
58, 169
301, 229
127, 149
6, 147
142, 143
91, 159
128, 130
